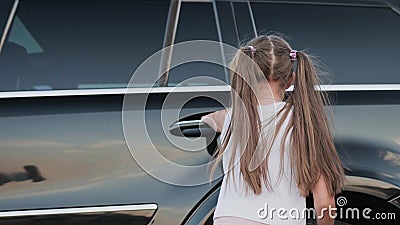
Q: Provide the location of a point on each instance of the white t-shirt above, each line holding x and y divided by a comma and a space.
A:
283, 205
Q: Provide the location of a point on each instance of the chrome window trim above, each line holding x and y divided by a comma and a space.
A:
169, 40
221, 47
253, 22
394, 7
47, 212
8, 24
356, 87
186, 89
235, 23
50, 93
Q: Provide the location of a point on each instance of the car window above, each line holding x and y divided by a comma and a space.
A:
228, 24
359, 45
196, 22
71, 44
243, 20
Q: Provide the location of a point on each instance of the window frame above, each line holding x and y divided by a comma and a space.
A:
170, 34
7, 27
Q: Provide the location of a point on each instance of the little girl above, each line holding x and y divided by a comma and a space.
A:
275, 152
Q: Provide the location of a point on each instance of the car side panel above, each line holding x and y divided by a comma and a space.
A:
77, 147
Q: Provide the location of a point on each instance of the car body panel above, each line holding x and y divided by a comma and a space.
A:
68, 150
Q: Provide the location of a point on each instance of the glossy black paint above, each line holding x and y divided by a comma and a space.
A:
76, 154
78, 144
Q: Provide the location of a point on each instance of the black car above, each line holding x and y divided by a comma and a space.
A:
79, 128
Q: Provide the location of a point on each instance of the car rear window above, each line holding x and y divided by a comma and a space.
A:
358, 44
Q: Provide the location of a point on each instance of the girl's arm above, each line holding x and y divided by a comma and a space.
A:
323, 203
215, 120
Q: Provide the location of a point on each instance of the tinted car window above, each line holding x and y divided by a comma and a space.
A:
243, 20
196, 22
360, 45
71, 44
228, 24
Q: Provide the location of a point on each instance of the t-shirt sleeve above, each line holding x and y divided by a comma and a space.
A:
226, 124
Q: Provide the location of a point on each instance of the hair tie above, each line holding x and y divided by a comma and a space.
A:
252, 50
293, 55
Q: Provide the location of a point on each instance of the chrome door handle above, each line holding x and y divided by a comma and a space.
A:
191, 128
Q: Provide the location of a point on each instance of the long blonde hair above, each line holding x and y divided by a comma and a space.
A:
312, 153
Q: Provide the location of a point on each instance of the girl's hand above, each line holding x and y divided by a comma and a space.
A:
323, 202
215, 120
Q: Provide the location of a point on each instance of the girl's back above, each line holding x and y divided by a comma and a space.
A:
275, 154
233, 200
